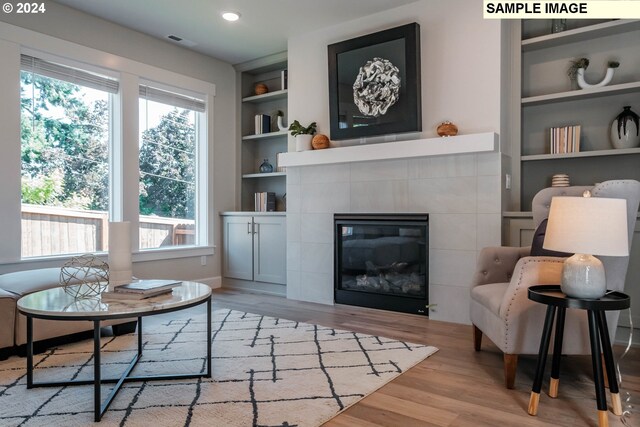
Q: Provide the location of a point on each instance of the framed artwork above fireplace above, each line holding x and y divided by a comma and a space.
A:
374, 84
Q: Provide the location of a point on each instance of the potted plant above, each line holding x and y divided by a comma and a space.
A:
280, 120
302, 134
578, 66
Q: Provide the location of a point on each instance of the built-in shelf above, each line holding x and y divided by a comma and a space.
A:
264, 175
594, 153
581, 94
265, 135
269, 96
461, 144
581, 34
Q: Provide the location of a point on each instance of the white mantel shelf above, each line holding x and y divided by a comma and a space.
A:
460, 144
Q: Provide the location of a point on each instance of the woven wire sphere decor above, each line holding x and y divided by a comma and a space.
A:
84, 276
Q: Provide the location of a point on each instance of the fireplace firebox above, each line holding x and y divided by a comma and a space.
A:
382, 261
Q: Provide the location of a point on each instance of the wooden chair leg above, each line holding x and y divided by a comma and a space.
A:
477, 338
510, 365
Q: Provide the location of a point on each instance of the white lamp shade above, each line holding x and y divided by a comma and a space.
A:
588, 225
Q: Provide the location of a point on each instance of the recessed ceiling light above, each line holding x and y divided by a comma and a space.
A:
231, 16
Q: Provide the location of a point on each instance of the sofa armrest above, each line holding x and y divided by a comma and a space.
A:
496, 264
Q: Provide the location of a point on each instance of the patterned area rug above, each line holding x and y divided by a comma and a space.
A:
266, 372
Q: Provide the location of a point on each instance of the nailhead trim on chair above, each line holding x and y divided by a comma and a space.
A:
530, 260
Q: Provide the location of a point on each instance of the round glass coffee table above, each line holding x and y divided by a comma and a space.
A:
55, 304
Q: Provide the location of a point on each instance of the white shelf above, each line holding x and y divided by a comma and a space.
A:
595, 153
269, 96
461, 144
265, 135
264, 175
581, 34
581, 94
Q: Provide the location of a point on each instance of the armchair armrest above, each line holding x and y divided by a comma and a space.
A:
496, 264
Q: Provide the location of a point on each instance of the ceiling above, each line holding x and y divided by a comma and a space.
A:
263, 29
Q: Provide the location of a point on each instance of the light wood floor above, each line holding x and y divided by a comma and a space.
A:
456, 386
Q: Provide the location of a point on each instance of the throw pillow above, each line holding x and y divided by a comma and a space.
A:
538, 240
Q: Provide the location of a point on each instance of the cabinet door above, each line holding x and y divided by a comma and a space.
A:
238, 247
269, 249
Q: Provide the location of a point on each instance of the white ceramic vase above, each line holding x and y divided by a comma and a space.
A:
303, 142
605, 81
280, 123
624, 130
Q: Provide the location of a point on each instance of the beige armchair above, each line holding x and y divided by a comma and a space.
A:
500, 308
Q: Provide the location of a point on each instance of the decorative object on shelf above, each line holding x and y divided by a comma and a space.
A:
560, 180
302, 134
578, 66
260, 89
586, 226
262, 124
625, 129
280, 121
565, 139
374, 84
266, 167
120, 266
447, 128
84, 276
278, 167
558, 25
320, 142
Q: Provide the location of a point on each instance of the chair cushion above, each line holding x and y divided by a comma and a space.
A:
490, 296
538, 241
25, 282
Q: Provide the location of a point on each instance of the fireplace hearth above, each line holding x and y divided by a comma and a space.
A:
381, 261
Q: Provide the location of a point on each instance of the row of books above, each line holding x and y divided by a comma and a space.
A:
264, 201
263, 123
140, 289
564, 139
284, 83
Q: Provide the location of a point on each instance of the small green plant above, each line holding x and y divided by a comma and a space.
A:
575, 64
280, 113
613, 64
297, 129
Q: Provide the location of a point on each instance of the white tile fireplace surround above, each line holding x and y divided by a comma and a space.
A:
461, 193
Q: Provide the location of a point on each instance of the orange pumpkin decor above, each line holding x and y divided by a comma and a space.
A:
447, 129
260, 89
320, 142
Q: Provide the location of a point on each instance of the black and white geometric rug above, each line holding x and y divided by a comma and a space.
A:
266, 372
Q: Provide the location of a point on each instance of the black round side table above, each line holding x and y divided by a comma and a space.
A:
598, 332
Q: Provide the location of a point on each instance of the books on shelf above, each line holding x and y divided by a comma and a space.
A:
140, 289
565, 139
284, 79
262, 124
265, 201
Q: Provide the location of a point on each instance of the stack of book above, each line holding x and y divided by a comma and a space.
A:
564, 139
263, 123
141, 289
284, 77
265, 201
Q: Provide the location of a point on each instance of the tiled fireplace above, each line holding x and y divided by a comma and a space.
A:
461, 193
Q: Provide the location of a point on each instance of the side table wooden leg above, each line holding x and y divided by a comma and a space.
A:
557, 353
597, 369
607, 353
542, 358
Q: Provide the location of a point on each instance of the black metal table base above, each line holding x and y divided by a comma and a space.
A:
101, 407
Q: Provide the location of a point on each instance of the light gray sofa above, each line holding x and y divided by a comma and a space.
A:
13, 330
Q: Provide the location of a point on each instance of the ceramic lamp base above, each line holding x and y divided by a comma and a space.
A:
583, 277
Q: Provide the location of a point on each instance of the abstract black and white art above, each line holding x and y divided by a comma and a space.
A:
374, 84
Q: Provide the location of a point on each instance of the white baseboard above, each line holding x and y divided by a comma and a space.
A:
213, 282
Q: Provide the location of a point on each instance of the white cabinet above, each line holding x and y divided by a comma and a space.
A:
255, 248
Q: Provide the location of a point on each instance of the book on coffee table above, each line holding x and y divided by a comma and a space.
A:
132, 296
147, 286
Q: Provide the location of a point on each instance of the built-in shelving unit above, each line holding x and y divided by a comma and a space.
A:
255, 148
548, 99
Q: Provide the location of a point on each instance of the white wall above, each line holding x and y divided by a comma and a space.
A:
77, 27
460, 65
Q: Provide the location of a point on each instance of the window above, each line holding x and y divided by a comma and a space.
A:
65, 139
169, 140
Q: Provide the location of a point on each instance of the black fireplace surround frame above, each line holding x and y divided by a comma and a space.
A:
404, 304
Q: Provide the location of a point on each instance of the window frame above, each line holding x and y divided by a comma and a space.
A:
19, 41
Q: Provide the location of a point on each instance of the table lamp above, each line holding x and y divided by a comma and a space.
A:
586, 226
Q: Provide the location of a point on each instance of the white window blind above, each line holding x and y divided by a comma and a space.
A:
68, 74
172, 98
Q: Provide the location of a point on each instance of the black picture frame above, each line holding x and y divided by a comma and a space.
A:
347, 119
